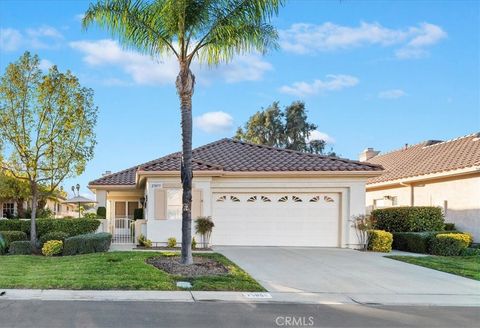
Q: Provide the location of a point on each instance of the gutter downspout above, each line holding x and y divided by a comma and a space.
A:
412, 194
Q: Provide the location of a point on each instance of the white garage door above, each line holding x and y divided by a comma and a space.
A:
288, 219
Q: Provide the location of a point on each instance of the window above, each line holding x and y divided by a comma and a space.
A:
174, 203
8, 210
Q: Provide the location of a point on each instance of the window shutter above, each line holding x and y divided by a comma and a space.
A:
196, 203
160, 206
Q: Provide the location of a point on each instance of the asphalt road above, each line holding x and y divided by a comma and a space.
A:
64, 314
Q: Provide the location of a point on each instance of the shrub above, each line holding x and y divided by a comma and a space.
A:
194, 243
52, 247
204, 226
449, 226
409, 219
88, 243
11, 236
72, 227
470, 251
54, 235
138, 214
22, 247
362, 224
416, 242
3, 245
143, 241
90, 216
102, 212
452, 244
380, 241
171, 242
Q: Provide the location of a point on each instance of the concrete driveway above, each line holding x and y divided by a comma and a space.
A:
332, 270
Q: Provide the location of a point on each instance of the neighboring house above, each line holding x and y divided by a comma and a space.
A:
431, 173
56, 205
256, 195
61, 209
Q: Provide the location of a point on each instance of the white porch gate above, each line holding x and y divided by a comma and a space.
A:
123, 231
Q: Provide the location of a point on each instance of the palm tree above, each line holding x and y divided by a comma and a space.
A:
209, 31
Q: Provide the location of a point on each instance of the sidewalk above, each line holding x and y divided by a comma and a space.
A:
240, 297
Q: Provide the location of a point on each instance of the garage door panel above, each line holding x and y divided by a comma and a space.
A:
283, 219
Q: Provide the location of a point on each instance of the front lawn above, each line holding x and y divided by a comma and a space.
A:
114, 270
465, 266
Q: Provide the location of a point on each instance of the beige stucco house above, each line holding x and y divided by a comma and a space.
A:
431, 173
56, 205
256, 195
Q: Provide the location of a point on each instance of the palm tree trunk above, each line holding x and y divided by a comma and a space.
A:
185, 84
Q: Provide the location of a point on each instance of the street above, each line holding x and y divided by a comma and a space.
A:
63, 314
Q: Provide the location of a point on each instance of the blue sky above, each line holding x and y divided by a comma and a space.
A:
372, 74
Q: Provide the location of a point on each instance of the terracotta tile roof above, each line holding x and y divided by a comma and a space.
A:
432, 156
236, 156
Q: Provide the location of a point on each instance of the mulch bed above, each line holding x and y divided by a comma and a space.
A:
202, 266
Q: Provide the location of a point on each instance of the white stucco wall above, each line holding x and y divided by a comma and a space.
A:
352, 191
462, 196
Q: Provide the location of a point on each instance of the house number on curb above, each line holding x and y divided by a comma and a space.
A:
257, 295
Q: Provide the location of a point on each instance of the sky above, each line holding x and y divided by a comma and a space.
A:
371, 73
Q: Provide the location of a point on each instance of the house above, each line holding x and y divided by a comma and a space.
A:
59, 209
256, 195
431, 173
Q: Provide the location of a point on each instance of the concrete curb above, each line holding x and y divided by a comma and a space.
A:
241, 297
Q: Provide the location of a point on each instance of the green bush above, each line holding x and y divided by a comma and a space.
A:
90, 216
449, 226
416, 242
54, 235
102, 212
171, 242
88, 243
11, 236
72, 227
470, 251
52, 247
138, 214
380, 241
143, 241
21, 247
194, 243
3, 245
452, 244
409, 219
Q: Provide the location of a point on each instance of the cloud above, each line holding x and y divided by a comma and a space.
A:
43, 37
412, 41
331, 83
212, 122
10, 39
45, 64
79, 17
146, 70
318, 135
392, 94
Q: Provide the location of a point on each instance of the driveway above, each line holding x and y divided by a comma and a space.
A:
334, 270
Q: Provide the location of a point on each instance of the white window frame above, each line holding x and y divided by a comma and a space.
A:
5, 208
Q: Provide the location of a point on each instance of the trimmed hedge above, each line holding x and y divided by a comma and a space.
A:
54, 235
452, 244
409, 219
102, 212
11, 236
72, 227
416, 242
380, 241
22, 247
88, 243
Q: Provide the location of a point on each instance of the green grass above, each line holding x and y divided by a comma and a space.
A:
113, 270
465, 266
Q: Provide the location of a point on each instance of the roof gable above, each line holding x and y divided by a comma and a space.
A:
432, 156
236, 156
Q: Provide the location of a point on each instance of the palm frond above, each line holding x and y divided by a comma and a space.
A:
136, 23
